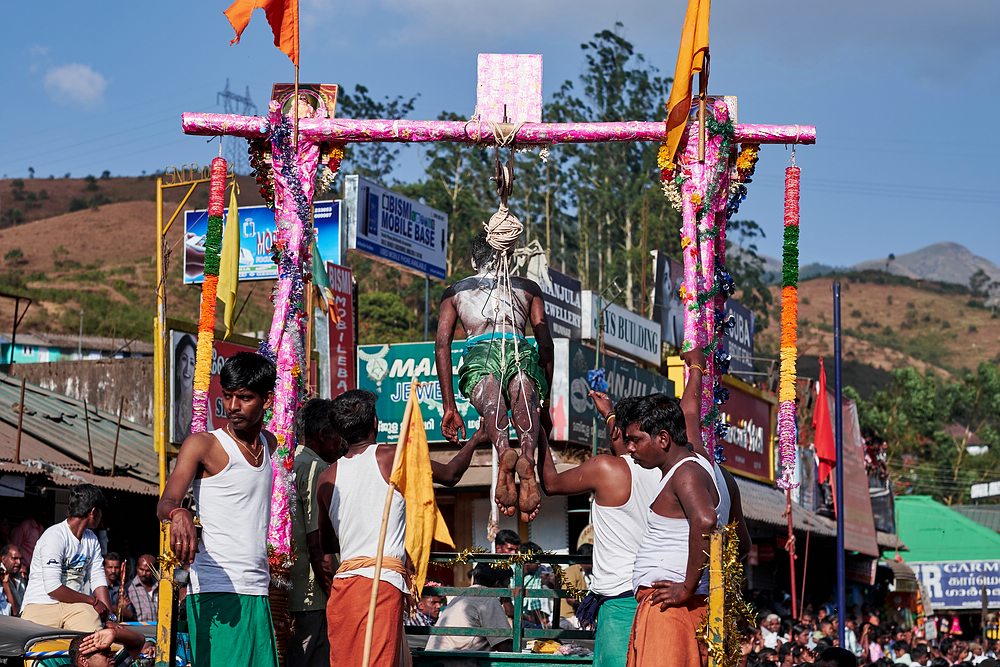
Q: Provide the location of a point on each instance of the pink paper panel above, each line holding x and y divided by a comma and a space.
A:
512, 79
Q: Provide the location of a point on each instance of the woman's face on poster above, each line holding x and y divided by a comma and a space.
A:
185, 367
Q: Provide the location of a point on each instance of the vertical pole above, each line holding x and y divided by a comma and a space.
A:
20, 423
838, 425
427, 307
90, 450
295, 106
118, 432
716, 596
13, 333
517, 598
790, 546
79, 338
166, 638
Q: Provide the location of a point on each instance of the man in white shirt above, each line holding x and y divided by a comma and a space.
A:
67, 588
475, 612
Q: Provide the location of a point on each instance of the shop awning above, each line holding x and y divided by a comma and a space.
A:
904, 576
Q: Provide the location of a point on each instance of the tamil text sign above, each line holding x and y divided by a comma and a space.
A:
749, 442
960, 584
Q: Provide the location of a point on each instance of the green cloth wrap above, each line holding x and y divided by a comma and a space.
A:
614, 627
484, 359
231, 629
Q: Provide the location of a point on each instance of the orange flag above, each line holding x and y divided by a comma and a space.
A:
283, 15
690, 59
826, 448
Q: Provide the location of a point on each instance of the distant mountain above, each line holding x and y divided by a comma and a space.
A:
944, 262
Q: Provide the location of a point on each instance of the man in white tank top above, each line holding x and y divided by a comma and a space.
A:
674, 546
229, 472
622, 493
352, 494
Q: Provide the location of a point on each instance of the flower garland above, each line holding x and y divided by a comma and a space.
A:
206, 320
789, 338
294, 170
326, 176
737, 612
259, 152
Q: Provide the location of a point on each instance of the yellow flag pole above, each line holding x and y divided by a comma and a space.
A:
400, 444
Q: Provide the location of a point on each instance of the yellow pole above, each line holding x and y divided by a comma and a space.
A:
716, 596
165, 638
397, 455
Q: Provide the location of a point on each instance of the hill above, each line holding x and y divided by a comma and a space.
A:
944, 262
890, 321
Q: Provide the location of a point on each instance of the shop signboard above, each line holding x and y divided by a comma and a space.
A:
562, 302
624, 331
668, 309
737, 340
960, 584
342, 336
749, 443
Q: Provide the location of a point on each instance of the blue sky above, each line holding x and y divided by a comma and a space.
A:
903, 92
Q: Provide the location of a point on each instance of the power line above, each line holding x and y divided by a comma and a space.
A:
241, 105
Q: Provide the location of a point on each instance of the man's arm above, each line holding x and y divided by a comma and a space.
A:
184, 539
324, 495
543, 337
596, 474
451, 421
98, 580
15, 608
691, 399
449, 474
116, 634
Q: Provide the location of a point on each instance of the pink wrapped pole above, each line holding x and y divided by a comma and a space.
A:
342, 130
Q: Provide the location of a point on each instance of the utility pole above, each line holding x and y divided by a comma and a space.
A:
234, 149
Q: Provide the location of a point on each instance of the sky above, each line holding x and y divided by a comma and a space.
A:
904, 93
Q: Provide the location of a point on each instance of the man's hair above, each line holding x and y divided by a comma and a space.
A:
901, 646
585, 549
655, 413
484, 574
483, 254
836, 657
918, 651
6, 549
311, 420
248, 370
83, 498
353, 414
507, 536
531, 548
112, 555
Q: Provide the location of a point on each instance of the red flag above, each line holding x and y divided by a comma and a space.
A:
826, 448
283, 15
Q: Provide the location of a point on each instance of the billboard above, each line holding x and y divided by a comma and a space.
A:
960, 584
624, 331
257, 234
738, 339
343, 337
562, 302
749, 444
394, 228
182, 358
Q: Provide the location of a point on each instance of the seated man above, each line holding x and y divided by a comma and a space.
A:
94, 650
428, 608
466, 611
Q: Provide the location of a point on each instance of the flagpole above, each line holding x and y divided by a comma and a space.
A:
295, 97
397, 455
838, 425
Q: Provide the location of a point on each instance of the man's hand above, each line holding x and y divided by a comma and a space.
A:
602, 403
669, 594
183, 537
99, 641
694, 357
451, 424
101, 608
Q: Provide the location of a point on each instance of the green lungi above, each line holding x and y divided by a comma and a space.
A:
614, 627
496, 357
231, 629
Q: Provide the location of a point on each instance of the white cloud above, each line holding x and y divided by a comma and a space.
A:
75, 84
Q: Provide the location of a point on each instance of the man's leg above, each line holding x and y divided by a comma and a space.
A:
308, 646
614, 626
527, 420
488, 400
80, 617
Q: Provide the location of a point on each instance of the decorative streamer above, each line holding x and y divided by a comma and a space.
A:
737, 612
206, 320
787, 435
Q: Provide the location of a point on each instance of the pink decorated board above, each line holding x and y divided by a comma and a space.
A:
511, 79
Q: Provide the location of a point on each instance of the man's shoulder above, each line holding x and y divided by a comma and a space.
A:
526, 284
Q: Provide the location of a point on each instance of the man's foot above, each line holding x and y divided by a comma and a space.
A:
528, 498
506, 496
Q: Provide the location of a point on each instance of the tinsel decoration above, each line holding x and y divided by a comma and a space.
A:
787, 435
209, 288
465, 558
726, 651
294, 170
259, 153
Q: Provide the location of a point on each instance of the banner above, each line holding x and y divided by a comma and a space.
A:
960, 584
394, 228
562, 302
258, 233
749, 444
859, 523
668, 309
624, 331
182, 348
343, 335
738, 339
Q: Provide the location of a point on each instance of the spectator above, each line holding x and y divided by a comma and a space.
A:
113, 575
901, 653
770, 631
317, 446
507, 542
851, 642
12, 584
919, 655
427, 610
836, 657
94, 650
25, 535
66, 588
976, 654
802, 635
144, 592
538, 610
826, 629
475, 612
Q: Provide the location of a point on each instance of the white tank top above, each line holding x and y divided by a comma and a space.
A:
619, 530
663, 552
356, 515
234, 506
725, 500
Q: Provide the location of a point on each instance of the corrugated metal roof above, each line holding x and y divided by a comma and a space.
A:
935, 532
984, 515
54, 440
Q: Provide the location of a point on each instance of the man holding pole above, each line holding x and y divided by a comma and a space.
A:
351, 492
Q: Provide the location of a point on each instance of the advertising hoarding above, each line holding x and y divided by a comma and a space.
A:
738, 339
562, 302
960, 584
668, 309
749, 444
343, 363
624, 331
394, 228
258, 233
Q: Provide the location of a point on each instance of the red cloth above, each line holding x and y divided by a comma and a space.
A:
826, 448
347, 616
667, 638
283, 15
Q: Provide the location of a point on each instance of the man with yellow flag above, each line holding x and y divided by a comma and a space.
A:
352, 494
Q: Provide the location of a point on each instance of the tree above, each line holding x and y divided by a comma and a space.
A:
979, 283
31, 172
746, 267
374, 160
